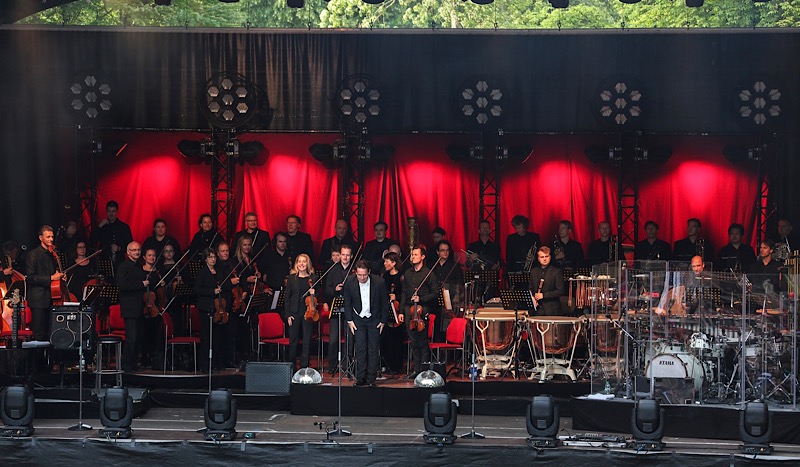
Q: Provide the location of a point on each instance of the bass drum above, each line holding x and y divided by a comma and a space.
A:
681, 365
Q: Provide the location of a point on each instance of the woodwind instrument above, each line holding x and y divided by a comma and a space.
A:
700, 247
413, 233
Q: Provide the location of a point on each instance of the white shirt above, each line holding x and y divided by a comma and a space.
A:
364, 289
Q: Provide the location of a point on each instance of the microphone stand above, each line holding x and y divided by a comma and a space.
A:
80, 426
339, 431
472, 433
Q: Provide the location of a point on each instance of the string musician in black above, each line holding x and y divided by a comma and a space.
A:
212, 294
366, 310
299, 288
419, 288
40, 270
334, 286
392, 348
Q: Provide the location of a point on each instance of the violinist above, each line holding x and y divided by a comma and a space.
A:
259, 237
247, 269
41, 269
132, 282
235, 335
450, 276
154, 303
160, 239
299, 296
210, 302
206, 237
334, 284
392, 348
419, 297
12, 263
82, 271
366, 309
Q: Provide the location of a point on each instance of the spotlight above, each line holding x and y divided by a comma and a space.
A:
542, 422
307, 376
619, 103
694, 3
16, 411
197, 151
295, 3
647, 425
109, 148
598, 154
736, 154
440, 417
228, 100
755, 428
758, 104
480, 103
359, 100
220, 415
90, 97
519, 154
116, 413
559, 3
656, 154
325, 153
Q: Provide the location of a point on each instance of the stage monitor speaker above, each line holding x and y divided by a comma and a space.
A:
268, 378
65, 327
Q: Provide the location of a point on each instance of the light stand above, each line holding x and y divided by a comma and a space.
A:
80, 426
472, 433
337, 424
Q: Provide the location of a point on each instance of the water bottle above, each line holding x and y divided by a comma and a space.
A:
607, 388
473, 372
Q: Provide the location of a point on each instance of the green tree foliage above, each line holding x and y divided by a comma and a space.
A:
436, 14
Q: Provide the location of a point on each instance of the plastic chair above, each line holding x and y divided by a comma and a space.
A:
116, 324
271, 330
171, 341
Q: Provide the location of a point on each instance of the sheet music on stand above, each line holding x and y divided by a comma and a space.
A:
193, 267
337, 304
258, 304
519, 280
105, 268
516, 299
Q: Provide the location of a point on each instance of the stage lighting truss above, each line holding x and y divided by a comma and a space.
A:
228, 100
481, 103
758, 104
620, 103
359, 101
90, 97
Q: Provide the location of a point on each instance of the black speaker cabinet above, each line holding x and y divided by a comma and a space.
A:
268, 378
68, 324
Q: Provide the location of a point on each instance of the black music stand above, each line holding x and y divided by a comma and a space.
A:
105, 268
280, 295
517, 299
486, 281
193, 267
257, 304
519, 280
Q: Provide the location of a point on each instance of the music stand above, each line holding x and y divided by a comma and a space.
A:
519, 280
258, 303
182, 290
193, 267
80, 426
105, 267
108, 293
485, 279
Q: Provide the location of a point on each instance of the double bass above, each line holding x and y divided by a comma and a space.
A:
58, 288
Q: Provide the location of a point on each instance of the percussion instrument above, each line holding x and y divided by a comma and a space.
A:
681, 366
551, 336
494, 344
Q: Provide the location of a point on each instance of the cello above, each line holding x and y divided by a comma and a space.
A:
58, 288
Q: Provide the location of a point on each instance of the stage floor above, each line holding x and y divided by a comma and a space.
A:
170, 435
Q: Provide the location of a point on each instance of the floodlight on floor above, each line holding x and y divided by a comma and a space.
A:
542, 422
755, 428
16, 411
647, 425
220, 416
116, 413
306, 376
440, 418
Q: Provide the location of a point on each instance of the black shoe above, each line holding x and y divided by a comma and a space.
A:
360, 382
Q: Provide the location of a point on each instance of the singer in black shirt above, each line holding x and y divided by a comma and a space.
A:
547, 285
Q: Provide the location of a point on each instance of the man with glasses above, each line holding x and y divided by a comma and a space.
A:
132, 282
260, 238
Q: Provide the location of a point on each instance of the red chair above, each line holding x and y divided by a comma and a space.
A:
171, 341
271, 331
116, 324
25, 333
454, 339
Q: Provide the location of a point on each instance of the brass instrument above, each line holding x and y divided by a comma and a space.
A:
700, 247
413, 233
529, 258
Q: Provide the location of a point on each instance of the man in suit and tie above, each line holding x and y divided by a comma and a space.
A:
366, 310
547, 285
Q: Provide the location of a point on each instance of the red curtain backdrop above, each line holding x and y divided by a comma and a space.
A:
151, 179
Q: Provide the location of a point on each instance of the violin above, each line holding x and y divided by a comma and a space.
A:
417, 321
238, 299
150, 309
312, 313
394, 305
221, 315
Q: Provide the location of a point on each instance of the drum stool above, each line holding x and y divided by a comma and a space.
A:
105, 368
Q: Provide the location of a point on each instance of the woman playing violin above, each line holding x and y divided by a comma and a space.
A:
209, 296
225, 265
392, 348
84, 269
154, 301
298, 289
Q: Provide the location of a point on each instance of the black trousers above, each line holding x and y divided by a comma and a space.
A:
392, 349
333, 345
300, 328
220, 343
368, 344
133, 342
40, 323
420, 351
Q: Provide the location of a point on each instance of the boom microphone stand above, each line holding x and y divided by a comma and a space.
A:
472, 433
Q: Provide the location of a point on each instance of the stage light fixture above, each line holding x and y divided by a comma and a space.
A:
559, 3
228, 100
694, 3
482, 2
598, 154
428, 379
647, 425
758, 104
440, 418
359, 100
519, 154
736, 154
16, 411
306, 376
480, 103
220, 416
197, 151
620, 103
327, 154
90, 97
295, 3
116, 413
543, 422
163, 2
755, 428
655, 154
108, 148
373, 2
